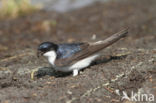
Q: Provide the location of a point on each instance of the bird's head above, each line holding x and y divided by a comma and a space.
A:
47, 49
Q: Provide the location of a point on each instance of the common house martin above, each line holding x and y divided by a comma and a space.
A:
72, 57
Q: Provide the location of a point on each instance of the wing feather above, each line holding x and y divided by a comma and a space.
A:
90, 49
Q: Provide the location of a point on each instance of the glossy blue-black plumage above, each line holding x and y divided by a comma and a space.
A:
47, 46
67, 50
62, 50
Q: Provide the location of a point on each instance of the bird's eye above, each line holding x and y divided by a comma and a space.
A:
45, 49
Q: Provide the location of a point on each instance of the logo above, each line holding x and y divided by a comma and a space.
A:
136, 96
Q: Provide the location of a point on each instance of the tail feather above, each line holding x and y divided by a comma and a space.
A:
97, 46
112, 39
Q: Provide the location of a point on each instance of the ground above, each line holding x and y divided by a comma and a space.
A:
126, 66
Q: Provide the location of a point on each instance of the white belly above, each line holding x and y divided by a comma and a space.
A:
78, 65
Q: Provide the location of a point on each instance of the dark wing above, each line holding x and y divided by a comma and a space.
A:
86, 51
68, 60
67, 50
90, 49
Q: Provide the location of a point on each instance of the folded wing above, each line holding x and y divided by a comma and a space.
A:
90, 49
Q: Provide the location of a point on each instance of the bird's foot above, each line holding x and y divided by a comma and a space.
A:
75, 72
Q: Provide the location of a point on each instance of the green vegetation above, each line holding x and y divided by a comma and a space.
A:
15, 8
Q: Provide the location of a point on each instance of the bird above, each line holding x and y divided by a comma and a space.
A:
72, 57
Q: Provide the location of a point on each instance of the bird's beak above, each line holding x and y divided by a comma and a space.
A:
39, 53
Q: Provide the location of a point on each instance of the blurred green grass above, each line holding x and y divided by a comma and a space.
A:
15, 8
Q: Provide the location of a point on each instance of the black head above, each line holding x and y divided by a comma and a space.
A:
45, 47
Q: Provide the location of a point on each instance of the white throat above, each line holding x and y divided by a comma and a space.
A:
51, 55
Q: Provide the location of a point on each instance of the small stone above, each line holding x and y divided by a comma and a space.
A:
93, 37
69, 92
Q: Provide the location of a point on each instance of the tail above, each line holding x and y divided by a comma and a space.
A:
97, 46
112, 39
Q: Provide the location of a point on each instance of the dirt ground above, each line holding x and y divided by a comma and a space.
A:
126, 66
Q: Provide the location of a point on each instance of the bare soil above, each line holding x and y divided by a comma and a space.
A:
128, 65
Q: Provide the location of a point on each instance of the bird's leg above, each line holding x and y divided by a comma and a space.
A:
75, 72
